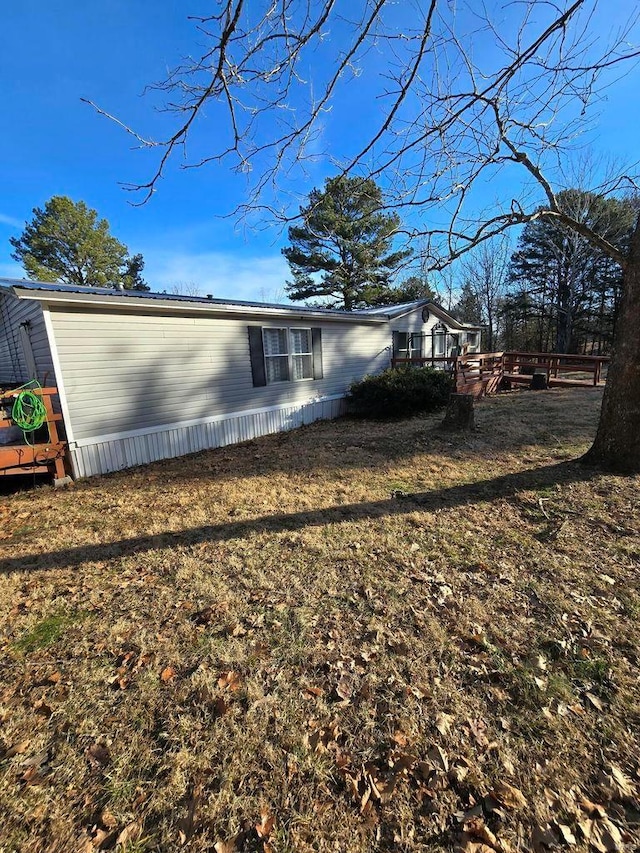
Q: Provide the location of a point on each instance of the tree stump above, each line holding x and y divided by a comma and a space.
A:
459, 414
538, 382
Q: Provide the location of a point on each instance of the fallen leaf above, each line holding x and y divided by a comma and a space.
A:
131, 832
344, 687
565, 833
108, 819
477, 827
459, 770
41, 708
32, 776
621, 783
186, 825
443, 723
543, 838
610, 836
470, 844
438, 758
167, 674
229, 680
101, 839
597, 703
203, 617
17, 749
592, 809
510, 797
400, 738
98, 755
265, 827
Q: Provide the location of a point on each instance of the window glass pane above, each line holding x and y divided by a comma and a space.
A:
300, 341
403, 344
302, 367
275, 341
277, 368
439, 344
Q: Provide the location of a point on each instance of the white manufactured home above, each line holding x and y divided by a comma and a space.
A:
146, 376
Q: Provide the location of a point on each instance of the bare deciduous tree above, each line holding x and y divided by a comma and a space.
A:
458, 97
485, 269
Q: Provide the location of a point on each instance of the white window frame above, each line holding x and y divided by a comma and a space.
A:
439, 352
290, 355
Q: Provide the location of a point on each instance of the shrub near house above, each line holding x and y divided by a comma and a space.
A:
400, 392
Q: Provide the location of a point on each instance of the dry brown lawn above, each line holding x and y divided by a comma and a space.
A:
352, 637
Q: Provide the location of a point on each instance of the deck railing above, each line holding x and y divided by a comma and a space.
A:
481, 373
555, 365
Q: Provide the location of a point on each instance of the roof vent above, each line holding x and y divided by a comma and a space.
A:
209, 295
120, 287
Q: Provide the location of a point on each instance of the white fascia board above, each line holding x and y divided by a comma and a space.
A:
134, 304
395, 316
133, 433
451, 321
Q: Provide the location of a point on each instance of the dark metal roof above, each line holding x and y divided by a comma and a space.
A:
387, 312
56, 287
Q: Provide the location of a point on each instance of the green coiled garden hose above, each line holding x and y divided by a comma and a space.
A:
28, 412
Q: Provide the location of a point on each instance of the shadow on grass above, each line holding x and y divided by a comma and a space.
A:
453, 496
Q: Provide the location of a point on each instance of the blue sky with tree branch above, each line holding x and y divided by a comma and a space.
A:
53, 54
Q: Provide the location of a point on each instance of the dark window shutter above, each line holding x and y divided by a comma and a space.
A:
396, 344
256, 354
316, 348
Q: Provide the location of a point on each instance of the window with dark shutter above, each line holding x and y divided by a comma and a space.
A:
284, 354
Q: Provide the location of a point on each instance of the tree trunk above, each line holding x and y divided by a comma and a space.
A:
459, 414
617, 443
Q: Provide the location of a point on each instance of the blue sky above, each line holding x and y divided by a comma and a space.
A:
53, 53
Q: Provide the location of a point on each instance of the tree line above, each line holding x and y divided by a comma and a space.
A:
556, 292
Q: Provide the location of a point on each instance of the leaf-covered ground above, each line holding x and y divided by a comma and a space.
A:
352, 637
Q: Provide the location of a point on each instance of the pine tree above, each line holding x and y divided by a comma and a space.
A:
342, 253
65, 241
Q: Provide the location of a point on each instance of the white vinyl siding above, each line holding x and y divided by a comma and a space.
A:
128, 371
24, 346
421, 336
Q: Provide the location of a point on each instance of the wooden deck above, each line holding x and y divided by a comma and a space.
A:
41, 457
484, 373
